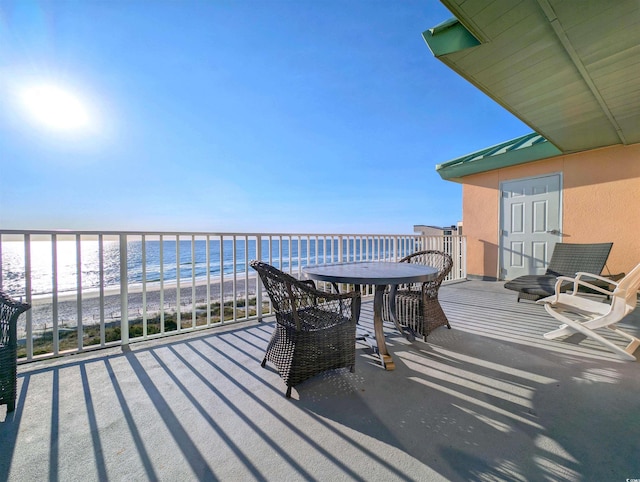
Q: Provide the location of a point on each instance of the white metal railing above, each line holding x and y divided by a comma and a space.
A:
93, 290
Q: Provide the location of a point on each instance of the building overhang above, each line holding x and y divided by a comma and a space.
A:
570, 70
528, 148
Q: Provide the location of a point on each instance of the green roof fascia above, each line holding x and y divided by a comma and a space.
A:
528, 148
448, 37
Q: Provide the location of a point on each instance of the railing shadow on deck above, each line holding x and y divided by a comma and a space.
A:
196, 356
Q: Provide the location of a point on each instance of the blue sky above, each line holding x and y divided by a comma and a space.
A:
251, 116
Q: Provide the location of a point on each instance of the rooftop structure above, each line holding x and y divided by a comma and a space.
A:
569, 70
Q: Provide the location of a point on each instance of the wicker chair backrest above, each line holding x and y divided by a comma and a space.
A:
10, 310
291, 297
569, 258
286, 292
436, 259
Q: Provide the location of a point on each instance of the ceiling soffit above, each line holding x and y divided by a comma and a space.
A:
570, 69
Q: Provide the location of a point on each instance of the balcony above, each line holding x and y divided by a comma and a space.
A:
489, 399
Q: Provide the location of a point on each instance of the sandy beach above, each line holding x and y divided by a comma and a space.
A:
190, 293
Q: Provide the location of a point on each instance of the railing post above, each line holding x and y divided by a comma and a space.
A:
143, 246
178, 295
234, 283
101, 270
124, 293
161, 307
221, 279
193, 282
54, 296
396, 248
258, 287
79, 322
27, 289
464, 256
208, 264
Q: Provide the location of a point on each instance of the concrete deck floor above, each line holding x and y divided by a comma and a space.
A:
489, 399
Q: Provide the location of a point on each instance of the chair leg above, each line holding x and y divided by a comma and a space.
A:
561, 331
634, 342
433, 317
11, 406
264, 362
586, 328
619, 351
288, 394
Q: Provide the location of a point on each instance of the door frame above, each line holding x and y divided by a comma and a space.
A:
501, 213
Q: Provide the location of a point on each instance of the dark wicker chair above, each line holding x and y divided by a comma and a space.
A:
315, 330
10, 310
417, 305
567, 259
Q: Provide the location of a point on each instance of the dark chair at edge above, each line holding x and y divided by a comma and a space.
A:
567, 259
10, 310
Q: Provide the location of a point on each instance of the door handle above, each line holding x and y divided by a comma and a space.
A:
553, 231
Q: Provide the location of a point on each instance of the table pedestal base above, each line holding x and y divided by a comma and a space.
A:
385, 357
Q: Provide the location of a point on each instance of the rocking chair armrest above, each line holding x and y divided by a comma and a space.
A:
577, 282
611, 281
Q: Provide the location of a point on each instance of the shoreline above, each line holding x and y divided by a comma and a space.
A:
139, 288
191, 293
67, 306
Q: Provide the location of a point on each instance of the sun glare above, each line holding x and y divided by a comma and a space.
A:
55, 107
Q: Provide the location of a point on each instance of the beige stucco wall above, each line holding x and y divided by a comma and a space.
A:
600, 203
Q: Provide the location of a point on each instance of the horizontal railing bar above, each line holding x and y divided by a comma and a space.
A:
200, 233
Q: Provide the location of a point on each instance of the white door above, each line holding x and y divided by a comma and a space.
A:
530, 224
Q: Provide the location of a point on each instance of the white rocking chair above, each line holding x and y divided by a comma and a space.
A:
593, 313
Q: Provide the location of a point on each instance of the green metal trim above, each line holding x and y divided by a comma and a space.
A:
448, 37
528, 148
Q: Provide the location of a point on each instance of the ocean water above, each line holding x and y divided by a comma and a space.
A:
152, 260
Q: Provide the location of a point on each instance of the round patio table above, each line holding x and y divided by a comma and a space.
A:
378, 273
